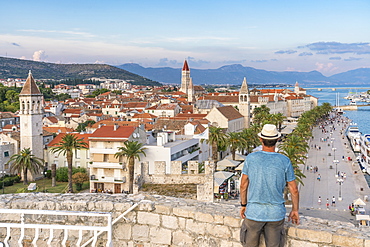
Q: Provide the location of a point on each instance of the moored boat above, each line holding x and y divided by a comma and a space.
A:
364, 157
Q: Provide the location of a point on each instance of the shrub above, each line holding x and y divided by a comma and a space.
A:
62, 173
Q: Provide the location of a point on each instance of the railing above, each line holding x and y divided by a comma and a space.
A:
24, 224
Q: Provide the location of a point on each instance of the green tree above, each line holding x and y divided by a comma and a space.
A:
235, 142
79, 178
68, 144
82, 126
25, 161
217, 140
131, 150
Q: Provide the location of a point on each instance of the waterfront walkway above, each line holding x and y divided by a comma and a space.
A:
354, 185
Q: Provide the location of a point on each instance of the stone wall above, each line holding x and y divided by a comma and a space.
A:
204, 181
167, 221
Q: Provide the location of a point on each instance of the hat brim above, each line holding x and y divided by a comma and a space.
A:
269, 137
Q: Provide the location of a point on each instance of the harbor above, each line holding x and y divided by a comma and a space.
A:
331, 172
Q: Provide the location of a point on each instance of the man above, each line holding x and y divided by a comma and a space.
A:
264, 177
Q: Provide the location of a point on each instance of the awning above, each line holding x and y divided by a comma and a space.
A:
359, 202
362, 217
238, 157
221, 165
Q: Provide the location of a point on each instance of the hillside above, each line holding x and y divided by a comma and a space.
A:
18, 68
234, 74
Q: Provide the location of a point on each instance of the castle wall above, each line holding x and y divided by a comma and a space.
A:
167, 221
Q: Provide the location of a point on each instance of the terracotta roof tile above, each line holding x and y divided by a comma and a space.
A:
109, 132
59, 137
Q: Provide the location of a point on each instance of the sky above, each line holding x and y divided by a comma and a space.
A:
286, 35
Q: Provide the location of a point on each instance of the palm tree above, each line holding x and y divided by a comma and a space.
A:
69, 143
235, 141
217, 139
296, 158
24, 162
251, 139
132, 150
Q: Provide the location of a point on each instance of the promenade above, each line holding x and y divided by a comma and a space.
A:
353, 186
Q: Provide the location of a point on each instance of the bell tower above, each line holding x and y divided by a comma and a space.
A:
244, 103
185, 78
31, 114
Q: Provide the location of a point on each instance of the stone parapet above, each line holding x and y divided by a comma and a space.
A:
169, 221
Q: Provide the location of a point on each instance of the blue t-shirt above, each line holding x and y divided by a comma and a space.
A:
268, 173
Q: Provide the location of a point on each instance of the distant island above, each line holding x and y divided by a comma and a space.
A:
18, 68
234, 74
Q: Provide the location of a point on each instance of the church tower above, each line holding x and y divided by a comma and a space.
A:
296, 88
244, 103
185, 78
31, 114
191, 91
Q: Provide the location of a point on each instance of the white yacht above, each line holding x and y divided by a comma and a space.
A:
364, 157
354, 136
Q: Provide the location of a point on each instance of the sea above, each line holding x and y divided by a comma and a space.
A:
335, 95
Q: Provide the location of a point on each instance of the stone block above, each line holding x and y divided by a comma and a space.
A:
218, 231
296, 243
104, 206
180, 238
182, 222
314, 235
196, 227
346, 241
146, 218
235, 233
170, 222
122, 231
219, 219
160, 236
183, 212
146, 205
226, 243
140, 233
232, 221
161, 209
208, 218
367, 243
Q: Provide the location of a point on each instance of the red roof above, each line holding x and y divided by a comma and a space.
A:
185, 67
109, 132
59, 137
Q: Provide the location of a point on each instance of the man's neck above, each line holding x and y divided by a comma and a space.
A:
268, 149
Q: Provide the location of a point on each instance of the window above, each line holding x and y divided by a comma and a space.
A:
6, 154
105, 158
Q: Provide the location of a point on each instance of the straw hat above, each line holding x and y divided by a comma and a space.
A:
269, 132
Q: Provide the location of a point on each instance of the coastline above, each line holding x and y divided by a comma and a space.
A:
321, 155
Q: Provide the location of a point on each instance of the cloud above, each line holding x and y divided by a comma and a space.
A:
305, 54
234, 61
15, 44
329, 67
335, 58
84, 34
339, 48
352, 59
274, 60
167, 62
259, 61
39, 56
285, 52
99, 62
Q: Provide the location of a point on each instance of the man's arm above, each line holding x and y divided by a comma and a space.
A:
243, 194
294, 216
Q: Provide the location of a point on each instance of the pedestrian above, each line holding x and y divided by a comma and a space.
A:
327, 203
319, 177
333, 201
264, 176
319, 200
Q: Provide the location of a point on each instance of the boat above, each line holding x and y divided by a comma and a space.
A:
364, 157
354, 137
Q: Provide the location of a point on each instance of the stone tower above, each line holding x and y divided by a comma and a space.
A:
244, 103
31, 114
185, 78
191, 91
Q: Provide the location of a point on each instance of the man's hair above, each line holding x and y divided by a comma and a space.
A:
269, 143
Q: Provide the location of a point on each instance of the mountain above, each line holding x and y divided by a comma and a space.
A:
234, 74
18, 68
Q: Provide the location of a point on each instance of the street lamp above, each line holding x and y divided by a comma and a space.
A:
340, 181
44, 174
334, 149
336, 167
